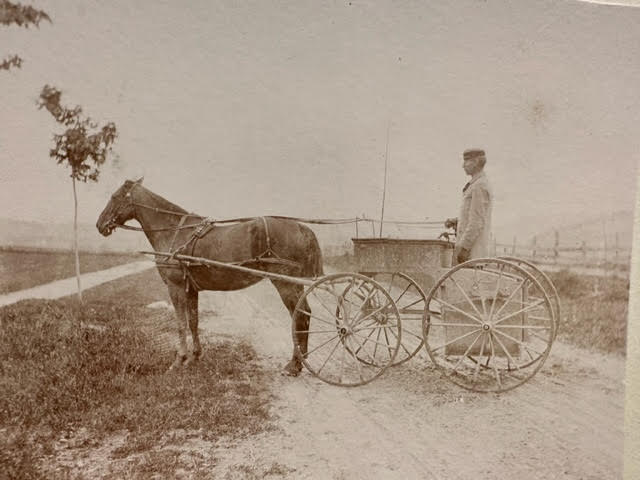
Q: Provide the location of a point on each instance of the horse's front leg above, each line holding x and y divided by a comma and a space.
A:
179, 299
192, 315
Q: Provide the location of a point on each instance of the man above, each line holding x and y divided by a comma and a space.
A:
473, 226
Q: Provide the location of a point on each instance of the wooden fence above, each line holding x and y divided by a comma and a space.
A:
611, 256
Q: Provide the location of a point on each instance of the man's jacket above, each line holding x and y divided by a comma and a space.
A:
474, 221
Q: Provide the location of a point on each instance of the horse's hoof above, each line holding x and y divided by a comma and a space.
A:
178, 362
291, 369
191, 359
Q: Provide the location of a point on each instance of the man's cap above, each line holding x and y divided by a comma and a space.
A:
473, 153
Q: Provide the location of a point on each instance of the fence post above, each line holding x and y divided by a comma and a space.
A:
513, 247
533, 249
556, 246
495, 247
604, 238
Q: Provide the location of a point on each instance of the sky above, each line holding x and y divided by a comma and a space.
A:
285, 108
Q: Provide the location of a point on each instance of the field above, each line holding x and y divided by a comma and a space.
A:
84, 393
20, 269
77, 377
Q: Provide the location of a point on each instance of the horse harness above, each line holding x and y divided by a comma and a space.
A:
268, 256
200, 230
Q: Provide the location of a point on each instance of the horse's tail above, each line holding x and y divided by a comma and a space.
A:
313, 265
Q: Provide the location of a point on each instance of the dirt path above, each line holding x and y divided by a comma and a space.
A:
567, 422
67, 286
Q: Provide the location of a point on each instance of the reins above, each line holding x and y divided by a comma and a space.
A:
204, 221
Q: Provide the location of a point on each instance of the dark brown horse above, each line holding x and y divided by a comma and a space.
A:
269, 244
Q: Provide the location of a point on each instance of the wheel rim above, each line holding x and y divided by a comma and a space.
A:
411, 301
546, 283
489, 326
354, 331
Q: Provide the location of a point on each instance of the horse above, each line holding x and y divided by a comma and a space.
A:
271, 244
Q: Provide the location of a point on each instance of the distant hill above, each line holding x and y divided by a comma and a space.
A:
17, 233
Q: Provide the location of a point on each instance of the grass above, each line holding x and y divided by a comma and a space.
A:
594, 310
89, 374
25, 269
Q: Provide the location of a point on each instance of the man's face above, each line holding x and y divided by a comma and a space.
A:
471, 166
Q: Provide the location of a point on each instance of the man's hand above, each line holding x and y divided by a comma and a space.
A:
451, 223
462, 255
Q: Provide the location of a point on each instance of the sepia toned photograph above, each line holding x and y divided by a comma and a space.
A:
319, 239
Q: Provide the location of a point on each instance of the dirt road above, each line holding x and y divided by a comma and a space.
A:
567, 422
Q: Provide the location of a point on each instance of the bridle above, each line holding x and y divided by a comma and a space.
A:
131, 202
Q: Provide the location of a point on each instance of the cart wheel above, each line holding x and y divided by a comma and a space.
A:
489, 325
354, 330
546, 283
410, 300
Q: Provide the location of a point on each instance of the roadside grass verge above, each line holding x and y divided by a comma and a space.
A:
26, 269
82, 375
594, 311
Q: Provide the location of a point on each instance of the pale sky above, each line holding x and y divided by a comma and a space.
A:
283, 107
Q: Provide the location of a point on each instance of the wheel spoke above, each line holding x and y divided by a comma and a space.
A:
534, 334
358, 367
403, 292
330, 355
404, 308
495, 369
495, 295
526, 327
509, 298
455, 368
401, 344
522, 310
375, 341
484, 339
466, 296
375, 346
360, 320
342, 361
442, 324
311, 315
306, 355
466, 314
361, 347
456, 339
507, 353
522, 344
386, 337
323, 305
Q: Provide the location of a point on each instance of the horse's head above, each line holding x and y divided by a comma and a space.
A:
119, 209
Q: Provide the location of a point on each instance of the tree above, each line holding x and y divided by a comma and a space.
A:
23, 16
83, 147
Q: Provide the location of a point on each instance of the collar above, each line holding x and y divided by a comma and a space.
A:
474, 178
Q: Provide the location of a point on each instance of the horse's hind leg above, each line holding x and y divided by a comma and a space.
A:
192, 315
179, 299
290, 293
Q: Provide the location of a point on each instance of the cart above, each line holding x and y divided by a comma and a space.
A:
487, 324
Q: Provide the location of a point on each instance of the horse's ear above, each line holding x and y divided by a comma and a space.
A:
139, 181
